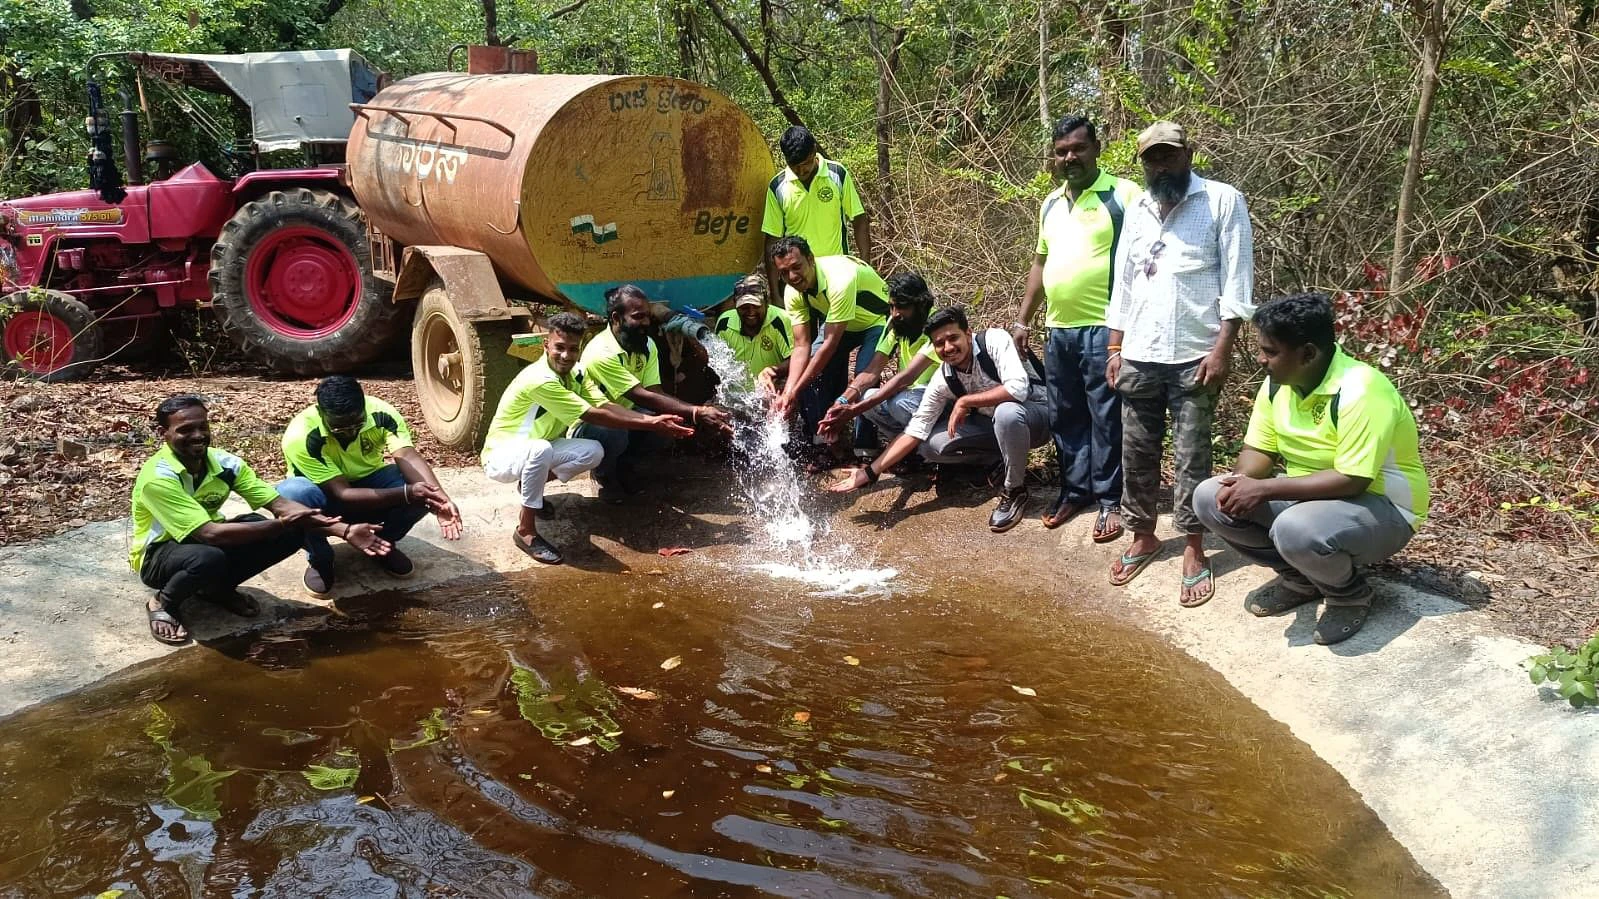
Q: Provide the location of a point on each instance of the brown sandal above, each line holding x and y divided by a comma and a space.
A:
1063, 511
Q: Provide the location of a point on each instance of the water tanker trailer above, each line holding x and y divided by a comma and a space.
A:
486, 195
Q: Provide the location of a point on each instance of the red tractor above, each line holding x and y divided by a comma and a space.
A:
283, 256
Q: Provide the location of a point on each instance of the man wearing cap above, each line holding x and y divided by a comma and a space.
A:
758, 333
814, 198
1181, 288
1079, 227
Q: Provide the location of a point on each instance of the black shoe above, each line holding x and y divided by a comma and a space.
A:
1339, 623
396, 563
1012, 506
319, 580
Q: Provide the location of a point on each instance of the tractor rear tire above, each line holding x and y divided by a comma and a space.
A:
460, 368
49, 336
292, 284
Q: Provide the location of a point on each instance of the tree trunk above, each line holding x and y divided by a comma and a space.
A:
491, 23
1431, 13
1043, 65
761, 68
887, 70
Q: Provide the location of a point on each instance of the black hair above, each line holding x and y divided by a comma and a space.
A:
785, 245
1298, 319
176, 403
568, 323
909, 289
1071, 123
616, 296
945, 316
340, 395
797, 144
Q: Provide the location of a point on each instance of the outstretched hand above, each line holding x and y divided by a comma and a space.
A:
670, 425
449, 516
368, 539
307, 517
855, 480
716, 418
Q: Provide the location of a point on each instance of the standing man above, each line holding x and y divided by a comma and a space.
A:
1184, 275
838, 305
1354, 492
982, 374
622, 365
182, 546
889, 406
814, 198
758, 333
527, 443
1079, 228
351, 455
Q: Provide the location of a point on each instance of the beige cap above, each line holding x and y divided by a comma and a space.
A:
1168, 133
750, 290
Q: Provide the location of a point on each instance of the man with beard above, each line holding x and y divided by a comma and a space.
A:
621, 365
758, 333
1182, 286
1079, 227
837, 305
527, 443
889, 407
182, 546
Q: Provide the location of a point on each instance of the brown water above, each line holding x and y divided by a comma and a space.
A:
475, 743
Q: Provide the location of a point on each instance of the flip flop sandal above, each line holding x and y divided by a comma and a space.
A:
1062, 512
240, 604
164, 617
1277, 598
1138, 563
1191, 581
1100, 534
539, 550
1339, 621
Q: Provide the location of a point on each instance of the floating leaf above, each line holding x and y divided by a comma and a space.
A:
110, 894
433, 730
802, 717
851, 660
525, 776
764, 769
323, 777
638, 692
364, 800
659, 605
482, 712
668, 794
671, 663
580, 741
1025, 691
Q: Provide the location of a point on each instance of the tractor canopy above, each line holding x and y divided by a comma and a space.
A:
295, 97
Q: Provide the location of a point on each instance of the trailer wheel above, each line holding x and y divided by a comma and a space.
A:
292, 283
460, 368
49, 335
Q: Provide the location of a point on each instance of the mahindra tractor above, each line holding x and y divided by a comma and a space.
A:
281, 256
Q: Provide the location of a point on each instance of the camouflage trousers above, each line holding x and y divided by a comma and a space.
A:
1151, 391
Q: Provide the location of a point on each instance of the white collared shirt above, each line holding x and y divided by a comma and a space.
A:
1203, 259
1007, 364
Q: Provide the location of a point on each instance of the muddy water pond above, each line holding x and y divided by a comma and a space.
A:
677, 735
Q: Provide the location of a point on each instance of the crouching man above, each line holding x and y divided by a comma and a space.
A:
527, 443
993, 403
1354, 491
182, 546
337, 453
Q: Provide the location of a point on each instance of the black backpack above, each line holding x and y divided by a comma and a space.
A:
957, 388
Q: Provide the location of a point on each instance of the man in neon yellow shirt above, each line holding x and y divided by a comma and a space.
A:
1354, 492
1079, 226
182, 546
622, 365
837, 305
350, 455
814, 198
527, 442
758, 333
889, 406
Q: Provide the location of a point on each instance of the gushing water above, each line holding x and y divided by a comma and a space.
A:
773, 493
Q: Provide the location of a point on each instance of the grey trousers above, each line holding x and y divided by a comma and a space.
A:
1151, 391
1014, 429
893, 414
1318, 540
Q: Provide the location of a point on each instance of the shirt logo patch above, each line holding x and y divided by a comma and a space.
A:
1318, 413
766, 343
368, 444
825, 193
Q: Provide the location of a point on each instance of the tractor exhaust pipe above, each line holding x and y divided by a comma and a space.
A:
131, 162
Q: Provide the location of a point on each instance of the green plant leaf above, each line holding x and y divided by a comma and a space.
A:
433, 730
323, 777
1538, 673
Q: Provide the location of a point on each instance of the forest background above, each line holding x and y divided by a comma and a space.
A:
1432, 164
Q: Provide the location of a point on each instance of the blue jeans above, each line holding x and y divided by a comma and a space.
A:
831, 380
1085, 416
397, 520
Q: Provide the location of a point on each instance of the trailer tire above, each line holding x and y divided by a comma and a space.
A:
460, 368
49, 336
292, 284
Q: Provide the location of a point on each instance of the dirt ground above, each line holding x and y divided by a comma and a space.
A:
1544, 592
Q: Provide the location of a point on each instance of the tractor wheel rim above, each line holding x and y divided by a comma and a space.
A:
38, 342
441, 376
302, 283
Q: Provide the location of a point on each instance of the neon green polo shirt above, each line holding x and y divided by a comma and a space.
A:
538, 405
169, 505
847, 290
1373, 436
821, 213
770, 346
904, 352
310, 452
609, 372
1077, 241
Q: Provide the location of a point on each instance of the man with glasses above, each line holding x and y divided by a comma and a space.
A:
1181, 287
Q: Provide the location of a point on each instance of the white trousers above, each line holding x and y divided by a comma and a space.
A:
529, 464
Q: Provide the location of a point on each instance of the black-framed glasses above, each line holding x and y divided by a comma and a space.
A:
1149, 264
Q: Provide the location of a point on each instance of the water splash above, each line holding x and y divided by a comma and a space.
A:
773, 494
